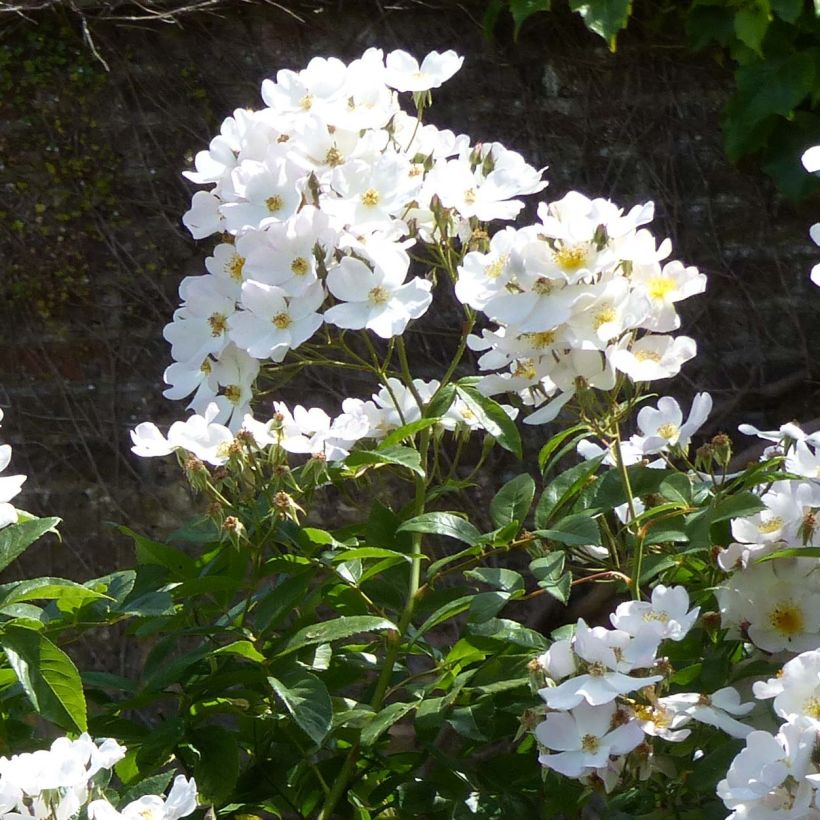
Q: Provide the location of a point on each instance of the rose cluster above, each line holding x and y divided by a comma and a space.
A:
61, 782
9, 486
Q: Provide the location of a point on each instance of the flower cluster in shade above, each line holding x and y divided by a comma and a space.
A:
9, 486
777, 775
68, 780
316, 199
776, 603
811, 162
576, 300
605, 711
301, 430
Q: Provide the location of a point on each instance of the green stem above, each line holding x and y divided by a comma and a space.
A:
637, 561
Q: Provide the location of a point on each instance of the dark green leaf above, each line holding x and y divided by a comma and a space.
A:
156, 784
549, 566
492, 417
486, 605
69, 595
512, 502
563, 489
281, 600
788, 10
507, 580
152, 552
384, 720
445, 612
443, 523
16, 538
217, 770
736, 506
47, 675
548, 450
678, 487
509, 632
604, 17
336, 630
751, 23
558, 588
306, 698
579, 529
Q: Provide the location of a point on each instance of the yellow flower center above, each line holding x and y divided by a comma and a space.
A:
306, 102
668, 431
282, 321
495, 269
770, 526
570, 257
646, 356
525, 369
596, 669
470, 196
655, 615
218, 323
378, 295
233, 393
370, 197
543, 286
205, 367
545, 338
274, 203
300, 266
659, 287
812, 707
787, 619
590, 744
603, 316
334, 157
235, 266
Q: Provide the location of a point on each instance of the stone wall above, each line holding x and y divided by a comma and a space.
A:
93, 249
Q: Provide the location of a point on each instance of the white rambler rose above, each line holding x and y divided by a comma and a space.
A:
776, 602
559, 661
10, 486
660, 721
811, 159
653, 357
482, 276
786, 433
717, 709
202, 436
664, 287
664, 427
149, 442
316, 88
180, 802
196, 376
584, 738
796, 689
667, 616
404, 73
235, 373
399, 405
271, 323
375, 299
605, 311
203, 218
780, 521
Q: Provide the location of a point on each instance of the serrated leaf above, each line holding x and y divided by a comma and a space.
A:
507, 580
509, 632
48, 677
513, 501
281, 600
383, 720
335, 630
548, 566
68, 595
739, 505
217, 769
549, 449
397, 456
363, 553
156, 784
788, 10
559, 588
15, 539
443, 523
307, 700
579, 530
677, 487
492, 417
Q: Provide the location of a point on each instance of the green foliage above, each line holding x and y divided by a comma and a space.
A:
774, 114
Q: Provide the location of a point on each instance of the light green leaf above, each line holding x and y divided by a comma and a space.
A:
492, 418
512, 502
336, 630
307, 700
384, 720
358, 553
69, 595
245, 649
16, 538
443, 523
751, 24
604, 17
48, 677
398, 456
408, 431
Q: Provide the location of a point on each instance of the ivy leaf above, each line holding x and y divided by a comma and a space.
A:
512, 502
307, 700
604, 17
17, 538
48, 677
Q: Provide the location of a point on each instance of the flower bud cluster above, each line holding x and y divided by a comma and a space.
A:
776, 603
303, 431
577, 298
9, 486
318, 196
61, 782
603, 701
778, 775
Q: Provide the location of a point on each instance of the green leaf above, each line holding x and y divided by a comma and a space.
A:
17, 538
604, 17
509, 632
281, 600
384, 720
563, 489
48, 677
336, 630
358, 553
441, 402
548, 450
513, 501
549, 566
307, 700
399, 456
443, 523
788, 10
790, 552
739, 505
444, 613
559, 588
245, 649
408, 431
678, 487
507, 580
579, 529
751, 24
217, 770
486, 605
521, 10
152, 552
156, 784
492, 417
69, 595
